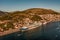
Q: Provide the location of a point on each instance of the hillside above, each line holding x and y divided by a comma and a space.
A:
27, 16
28, 13
40, 11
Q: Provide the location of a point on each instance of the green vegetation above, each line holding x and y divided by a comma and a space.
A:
6, 17
6, 26
36, 18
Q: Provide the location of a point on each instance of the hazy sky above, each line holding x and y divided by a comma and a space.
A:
13, 5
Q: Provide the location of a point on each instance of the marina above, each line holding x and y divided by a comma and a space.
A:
48, 31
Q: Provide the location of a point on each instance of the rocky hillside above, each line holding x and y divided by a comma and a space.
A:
40, 13
3, 13
12, 19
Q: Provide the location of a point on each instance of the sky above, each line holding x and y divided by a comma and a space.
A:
19, 5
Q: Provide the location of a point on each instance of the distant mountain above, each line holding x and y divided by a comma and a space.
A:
40, 11
47, 14
3, 13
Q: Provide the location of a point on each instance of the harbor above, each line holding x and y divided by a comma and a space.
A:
36, 33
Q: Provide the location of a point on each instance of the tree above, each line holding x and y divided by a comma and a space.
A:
36, 18
6, 26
